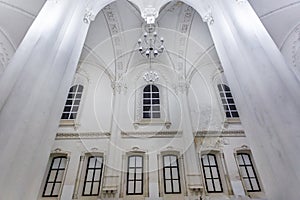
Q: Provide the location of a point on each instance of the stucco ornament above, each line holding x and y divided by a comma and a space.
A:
151, 76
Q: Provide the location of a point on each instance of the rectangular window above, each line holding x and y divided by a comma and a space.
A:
248, 173
55, 177
93, 176
211, 173
135, 175
171, 175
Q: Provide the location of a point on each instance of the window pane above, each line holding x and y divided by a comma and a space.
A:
80, 88
89, 176
146, 95
173, 160
138, 188
48, 189
92, 161
155, 101
156, 115
73, 116
147, 102
167, 173
176, 186
146, 115
56, 189
247, 184
87, 188
52, 176
250, 171
155, 108
146, 108
212, 159
243, 172
75, 108
175, 173
235, 114
78, 96
65, 116
214, 172
97, 175
99, 162
132, 161
167, 161
240, 160
218, 187
131, 174
139, 162
168, 186
209, 185
232, 107
254, 184
154, 88
130, 187
56, 162
60, 176
246, 159
67, 109
95, 188
205, 160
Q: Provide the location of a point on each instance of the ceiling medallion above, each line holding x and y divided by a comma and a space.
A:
151, 76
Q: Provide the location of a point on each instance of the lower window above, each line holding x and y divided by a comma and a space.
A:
171, 174
135, 175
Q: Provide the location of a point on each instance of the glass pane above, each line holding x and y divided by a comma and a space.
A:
99, 162
232, 107
230, 101
89, 176
154, 88
214, 172
95, 188
146, 115
146, 102
175, 173
73, 88
155, 101
130, 187
246, 159
243, 172
75, 108
166, 160
250, 171
240, 160
173, 160
132, 161
60, 176
226, 108
138, 187
52, 176
97, 175
131, 174
176, 186
224, 101
48, 189
226, 88
218, 187
76, 102
222, 94
156, 115
80, 88
205, 160
228, 94
69, 102
212, 160
168, 186
92, 161
235, 114
147, 88
167, 173
73, 116
87, 188
139, 176
155, 95
254, 184
67, 109
71, 95
63, 163
247, 184
228, 114
155, 108
209, 185
56, 189
56, 162
207, 172
65, 116
220, 87
139, 161
78, 96
146, 108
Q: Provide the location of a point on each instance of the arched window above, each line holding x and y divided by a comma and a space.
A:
72, 103
227, 101
151, 102
247, 172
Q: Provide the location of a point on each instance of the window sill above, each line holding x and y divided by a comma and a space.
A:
145, 122
235, 120
67, 122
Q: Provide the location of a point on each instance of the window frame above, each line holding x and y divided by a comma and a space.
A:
245, 166
152, 102
135, 180
50, 169
227, 101
93, 171
171, 174
216, 166
73, 97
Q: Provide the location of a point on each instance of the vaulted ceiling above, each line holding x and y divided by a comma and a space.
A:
117, 27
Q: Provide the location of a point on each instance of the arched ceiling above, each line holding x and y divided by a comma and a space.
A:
280, 17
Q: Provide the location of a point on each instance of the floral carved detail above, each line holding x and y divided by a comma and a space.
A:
4, 57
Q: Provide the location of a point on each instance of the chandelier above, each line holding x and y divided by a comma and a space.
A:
151, 45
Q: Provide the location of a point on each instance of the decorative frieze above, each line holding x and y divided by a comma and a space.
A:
158, 134
215, 133
74, 136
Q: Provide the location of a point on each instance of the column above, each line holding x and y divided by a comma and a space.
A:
266, 93
33, 91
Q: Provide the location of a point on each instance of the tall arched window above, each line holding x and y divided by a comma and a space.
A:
227, 101
72, 103
151, 102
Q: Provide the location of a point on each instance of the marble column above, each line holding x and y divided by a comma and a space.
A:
33, 91
266, 93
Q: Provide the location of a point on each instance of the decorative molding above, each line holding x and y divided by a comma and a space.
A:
74, 136
208, 18
150, 14
88, 16
215, 133
151, 76
296, 48
182, 87
159, 134
119, 87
